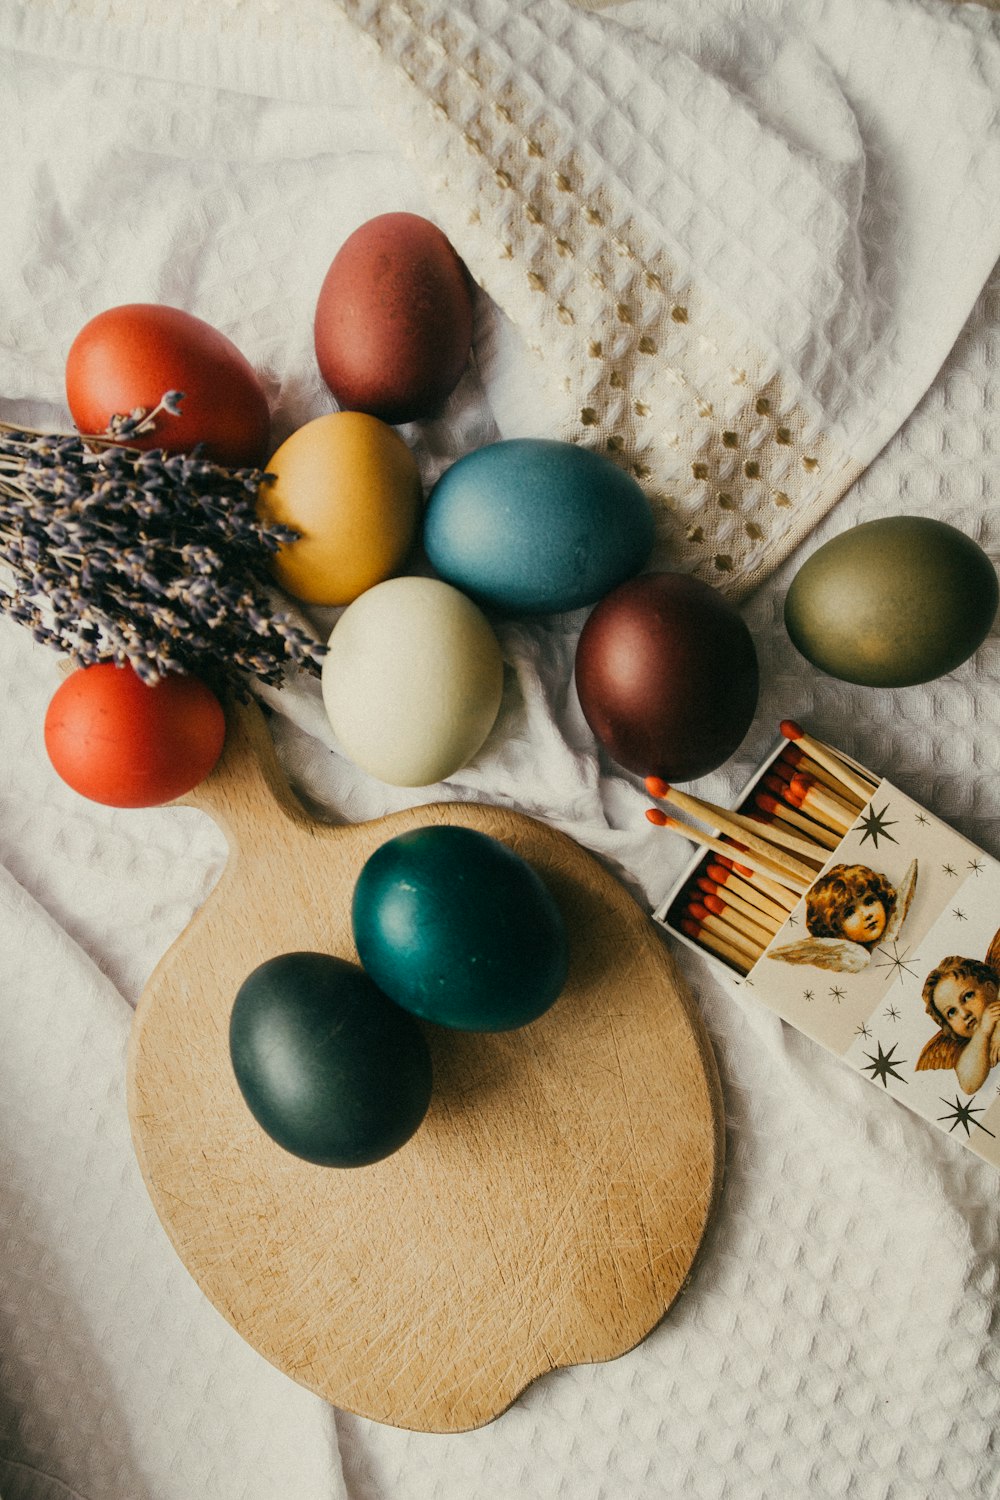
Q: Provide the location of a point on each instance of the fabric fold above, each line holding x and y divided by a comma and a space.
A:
725, 267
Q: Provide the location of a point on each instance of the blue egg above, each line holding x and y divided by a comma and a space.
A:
458, 929
533, 525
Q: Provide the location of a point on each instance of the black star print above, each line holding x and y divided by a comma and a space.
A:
976, 866
883, 1067
949, 869
836, 993
808, 994
922, 818
962, 1114
891, 1013
959, 915
874, 824
862, 1030
900, 962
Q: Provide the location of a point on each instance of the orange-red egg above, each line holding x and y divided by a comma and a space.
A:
117, 740
131, 356
393, 325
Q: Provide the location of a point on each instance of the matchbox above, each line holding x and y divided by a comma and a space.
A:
889, 957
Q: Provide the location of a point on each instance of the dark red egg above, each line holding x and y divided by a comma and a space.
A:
666, 673
131, 356
117, 740
393, 325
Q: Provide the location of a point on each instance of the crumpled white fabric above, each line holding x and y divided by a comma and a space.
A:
835, 1339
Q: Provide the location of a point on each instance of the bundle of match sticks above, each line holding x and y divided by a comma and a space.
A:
769, 852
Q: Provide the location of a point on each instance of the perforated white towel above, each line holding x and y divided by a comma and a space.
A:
836, 1339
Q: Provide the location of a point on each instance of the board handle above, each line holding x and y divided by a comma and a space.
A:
246, 792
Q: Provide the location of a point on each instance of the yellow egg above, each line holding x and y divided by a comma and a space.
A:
412, 681
349, 485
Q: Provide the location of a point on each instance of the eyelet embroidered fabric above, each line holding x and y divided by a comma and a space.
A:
702, 292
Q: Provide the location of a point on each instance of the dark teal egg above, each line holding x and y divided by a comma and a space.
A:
893, 602
533, 525
329, 1067
459, 929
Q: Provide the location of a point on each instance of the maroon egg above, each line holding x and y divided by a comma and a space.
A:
393, 323
666, 673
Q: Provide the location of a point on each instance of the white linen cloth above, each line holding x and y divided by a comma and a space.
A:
836, 1338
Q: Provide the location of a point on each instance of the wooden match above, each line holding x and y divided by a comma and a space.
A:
734, 824
827, 757
744, 891
726, 931
788, 814
733, 956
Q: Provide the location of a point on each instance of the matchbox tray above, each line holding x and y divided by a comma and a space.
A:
913, 1008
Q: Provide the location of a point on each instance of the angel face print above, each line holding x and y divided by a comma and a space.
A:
961, 995
849, 911
960, 999
865, 921
850, 901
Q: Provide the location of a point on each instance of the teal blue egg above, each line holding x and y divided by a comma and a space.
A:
329, 1068
460, 930
536, 526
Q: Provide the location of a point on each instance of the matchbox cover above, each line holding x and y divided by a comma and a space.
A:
891, 960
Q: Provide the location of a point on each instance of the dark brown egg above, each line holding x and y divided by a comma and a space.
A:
393, 324
666, 674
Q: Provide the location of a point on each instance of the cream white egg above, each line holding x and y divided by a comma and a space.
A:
412, 681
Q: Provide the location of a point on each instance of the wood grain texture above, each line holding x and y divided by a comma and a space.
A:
546, 1213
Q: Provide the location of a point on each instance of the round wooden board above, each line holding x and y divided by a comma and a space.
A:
546, 1213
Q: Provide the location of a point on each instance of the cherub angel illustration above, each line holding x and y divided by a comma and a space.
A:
849, 910
961, 995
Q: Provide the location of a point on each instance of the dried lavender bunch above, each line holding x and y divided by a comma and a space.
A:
157, 559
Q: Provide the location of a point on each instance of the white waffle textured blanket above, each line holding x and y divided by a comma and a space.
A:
743, 248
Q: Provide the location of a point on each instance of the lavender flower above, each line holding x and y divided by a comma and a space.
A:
157, 559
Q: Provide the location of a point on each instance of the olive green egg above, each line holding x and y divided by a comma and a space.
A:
892, 602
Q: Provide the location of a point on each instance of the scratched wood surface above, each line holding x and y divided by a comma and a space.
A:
547, 1212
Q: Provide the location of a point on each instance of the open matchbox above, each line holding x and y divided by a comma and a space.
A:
865, 1001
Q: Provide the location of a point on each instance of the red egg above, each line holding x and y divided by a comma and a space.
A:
131, 356
393, 323
116, 740
666, 673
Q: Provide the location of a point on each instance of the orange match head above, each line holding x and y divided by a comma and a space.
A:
714, 904
718, 873
802, 783
767, 803
774, 784
782, 771
791, 730
656, 786
794, 795
792, 754
704, 884
654, 815
691, 928
697, 911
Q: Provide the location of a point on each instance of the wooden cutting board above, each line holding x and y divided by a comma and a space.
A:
548, 1210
